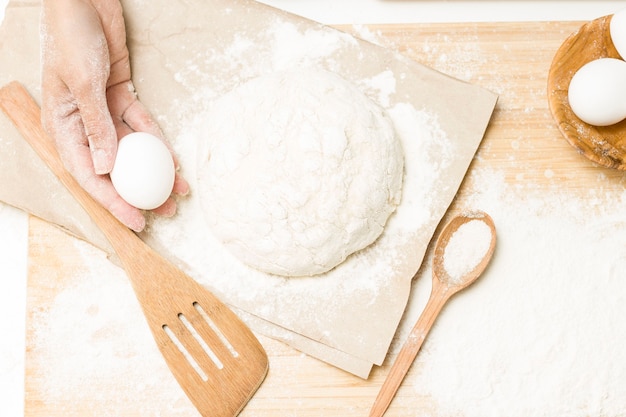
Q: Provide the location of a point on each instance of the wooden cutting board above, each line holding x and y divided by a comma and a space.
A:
511, 59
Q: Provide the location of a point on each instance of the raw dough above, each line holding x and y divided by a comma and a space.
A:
298, 170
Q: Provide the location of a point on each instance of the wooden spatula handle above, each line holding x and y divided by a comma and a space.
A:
165, 293
25, 113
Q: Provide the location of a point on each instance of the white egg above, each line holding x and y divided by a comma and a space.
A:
597, 92
144, 170
617, 29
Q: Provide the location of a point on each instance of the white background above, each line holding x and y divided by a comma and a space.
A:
13, 223
406, 11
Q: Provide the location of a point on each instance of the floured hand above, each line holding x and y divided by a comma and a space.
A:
89, 101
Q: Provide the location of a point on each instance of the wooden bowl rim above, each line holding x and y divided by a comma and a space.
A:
601, 144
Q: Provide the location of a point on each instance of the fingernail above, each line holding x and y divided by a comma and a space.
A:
137, 226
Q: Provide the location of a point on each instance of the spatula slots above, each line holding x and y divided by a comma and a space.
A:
214, 356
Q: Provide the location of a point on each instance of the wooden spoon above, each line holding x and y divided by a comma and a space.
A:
605, 145
214, 356
444, 286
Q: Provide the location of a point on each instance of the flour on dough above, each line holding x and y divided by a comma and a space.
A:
298, 170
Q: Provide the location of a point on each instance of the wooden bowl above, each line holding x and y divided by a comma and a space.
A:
605, 145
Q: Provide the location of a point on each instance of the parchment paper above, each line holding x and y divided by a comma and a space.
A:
185, 53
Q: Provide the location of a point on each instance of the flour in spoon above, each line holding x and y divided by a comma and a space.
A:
466, 248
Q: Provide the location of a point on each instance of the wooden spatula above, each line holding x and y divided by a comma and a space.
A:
215, 357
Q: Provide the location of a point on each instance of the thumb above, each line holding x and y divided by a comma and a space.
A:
99, 129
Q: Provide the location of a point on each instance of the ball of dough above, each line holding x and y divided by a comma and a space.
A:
144, 170
298, 170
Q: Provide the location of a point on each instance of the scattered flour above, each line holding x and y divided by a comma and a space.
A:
382, 86
13, 254
93, 347
542, 332
357, 280
295, 47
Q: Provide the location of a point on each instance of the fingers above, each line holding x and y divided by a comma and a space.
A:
99, 129
89, 101
74, 151
181, 186
101, 188
76, 55
130, 115
90, 92
66, 123
167, 209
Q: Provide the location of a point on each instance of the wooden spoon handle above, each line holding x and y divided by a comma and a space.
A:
24, 112
438, 297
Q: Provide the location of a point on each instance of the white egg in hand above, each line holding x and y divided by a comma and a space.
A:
144, 170
617, 29
597, 92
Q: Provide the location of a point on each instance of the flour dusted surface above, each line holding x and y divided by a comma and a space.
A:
298, 170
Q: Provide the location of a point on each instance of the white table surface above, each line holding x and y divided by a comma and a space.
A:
14, 224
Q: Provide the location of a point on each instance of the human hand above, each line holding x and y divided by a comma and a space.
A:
89, 101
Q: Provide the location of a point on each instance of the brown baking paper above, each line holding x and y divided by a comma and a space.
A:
187, 53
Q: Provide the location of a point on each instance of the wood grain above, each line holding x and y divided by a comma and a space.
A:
523, 142
605, 145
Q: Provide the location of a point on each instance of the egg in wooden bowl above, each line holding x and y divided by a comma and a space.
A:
605, 145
